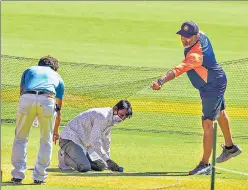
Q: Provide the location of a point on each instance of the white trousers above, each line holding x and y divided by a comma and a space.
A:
30, 106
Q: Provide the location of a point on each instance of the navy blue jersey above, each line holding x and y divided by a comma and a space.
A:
202, 68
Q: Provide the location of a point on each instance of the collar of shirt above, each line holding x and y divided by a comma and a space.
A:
109, 118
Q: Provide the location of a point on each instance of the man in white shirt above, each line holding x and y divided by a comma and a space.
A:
85, 141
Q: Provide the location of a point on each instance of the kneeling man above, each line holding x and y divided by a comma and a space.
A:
85, 141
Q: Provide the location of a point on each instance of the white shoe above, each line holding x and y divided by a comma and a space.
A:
61, 158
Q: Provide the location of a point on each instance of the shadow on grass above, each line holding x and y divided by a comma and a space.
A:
9, 183
99, 174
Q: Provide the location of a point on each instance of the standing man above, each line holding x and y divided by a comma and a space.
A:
85, 141
41, 94
208, 77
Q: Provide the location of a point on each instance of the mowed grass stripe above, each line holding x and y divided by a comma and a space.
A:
147, 29
141, 105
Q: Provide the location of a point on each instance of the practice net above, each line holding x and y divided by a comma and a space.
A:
176, 108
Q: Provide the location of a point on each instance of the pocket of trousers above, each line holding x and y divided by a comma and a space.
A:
48, 107
25, 105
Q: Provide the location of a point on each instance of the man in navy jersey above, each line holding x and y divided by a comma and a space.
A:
208, 77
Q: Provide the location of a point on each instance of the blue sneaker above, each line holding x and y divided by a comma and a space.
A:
228, 153
201, 169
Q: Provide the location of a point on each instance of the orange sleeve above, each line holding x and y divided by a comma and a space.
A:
192, 60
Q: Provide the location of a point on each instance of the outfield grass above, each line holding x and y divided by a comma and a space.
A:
150, 161
132, 34
120, 33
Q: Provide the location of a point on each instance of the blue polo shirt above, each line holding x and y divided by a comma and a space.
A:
42, 78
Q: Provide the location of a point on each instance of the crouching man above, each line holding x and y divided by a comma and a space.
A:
85, 141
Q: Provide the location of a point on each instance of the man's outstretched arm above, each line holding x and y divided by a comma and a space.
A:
192, 61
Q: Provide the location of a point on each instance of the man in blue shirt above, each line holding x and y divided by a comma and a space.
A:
209, 78
41, 95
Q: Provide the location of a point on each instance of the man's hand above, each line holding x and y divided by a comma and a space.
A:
112, 165
156, 86
55, 136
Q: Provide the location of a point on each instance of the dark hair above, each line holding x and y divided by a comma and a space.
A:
50, 62
125, 104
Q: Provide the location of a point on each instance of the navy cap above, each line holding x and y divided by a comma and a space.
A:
188, 29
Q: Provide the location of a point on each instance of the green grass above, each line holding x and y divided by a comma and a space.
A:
132, 34
150, 161
120, 33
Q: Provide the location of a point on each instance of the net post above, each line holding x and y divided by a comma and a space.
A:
214, 156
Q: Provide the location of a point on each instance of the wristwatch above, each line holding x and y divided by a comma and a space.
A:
160, 82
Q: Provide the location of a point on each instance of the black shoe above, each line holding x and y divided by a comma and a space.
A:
39, 182
16, 180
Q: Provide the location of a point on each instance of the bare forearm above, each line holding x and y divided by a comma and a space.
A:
167, 77
56, 127
57, 122
58, 117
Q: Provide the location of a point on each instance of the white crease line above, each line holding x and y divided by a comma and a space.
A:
232, 171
